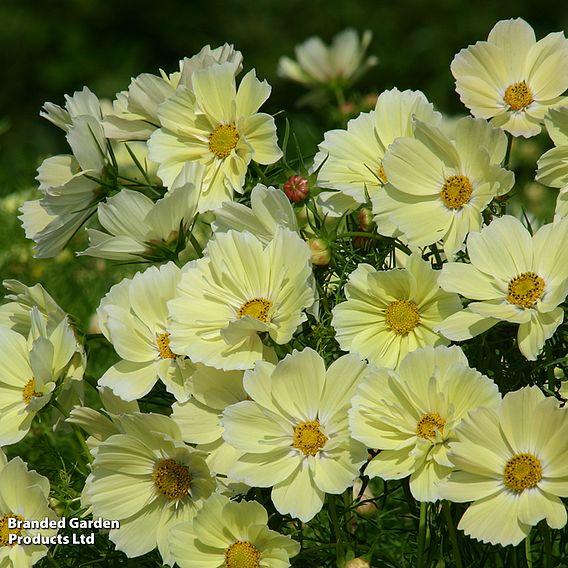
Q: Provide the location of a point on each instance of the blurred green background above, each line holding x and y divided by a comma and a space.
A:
52, 48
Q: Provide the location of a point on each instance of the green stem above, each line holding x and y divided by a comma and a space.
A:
508, 152
261, 174
52, 560
547, 545
528, 551
452, 532
359, 234
76, 430
196, 245
336, 529
420, 560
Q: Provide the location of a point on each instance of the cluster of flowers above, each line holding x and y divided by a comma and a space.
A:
228, 295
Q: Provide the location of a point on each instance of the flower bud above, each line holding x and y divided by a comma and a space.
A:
366, 219
296, 188
357, 563
321, 253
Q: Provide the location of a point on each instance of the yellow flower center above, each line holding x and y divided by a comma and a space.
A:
163, 343
171, 479
382, 175
428, 424
242, 554
521, 472
525, 290
257, 308
309, 438
456, 192
518, 96
5, 532
29, 392
402, 316
223, 139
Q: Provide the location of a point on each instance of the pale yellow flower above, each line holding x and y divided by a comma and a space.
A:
513, 277
411, 415
219, 126
388, 314
240, 288
511, 462
230, 534
511, 78
341, 63
294, 432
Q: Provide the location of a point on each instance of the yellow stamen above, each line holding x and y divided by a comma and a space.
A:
309, 438
402, 316
163, 343
242, 554
456, 192
5, 532
257, 308
518, 96
525, 290
171, 479
428, 424
521, 472
382, 175
223, 140
29, 392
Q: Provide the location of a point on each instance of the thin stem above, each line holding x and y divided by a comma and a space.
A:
420, 560
196, 245
336, 529
508, 152
452, 532
52, 560
528, 551
76, 430
547, 545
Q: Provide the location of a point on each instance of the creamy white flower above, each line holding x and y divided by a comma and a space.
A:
23, 497
233, 535
351, 161
133, 317
511, 462
135, 111
411, 415
217, 125
317, 64
388, 314
294, 431
514, 277
240, 288
137, 227
29, 371
438, 187
269, 209
147, 479
511, 78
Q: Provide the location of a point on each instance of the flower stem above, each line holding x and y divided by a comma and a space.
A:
452, 532
547, 545
336, 529
528, 553
508, 152
420, 560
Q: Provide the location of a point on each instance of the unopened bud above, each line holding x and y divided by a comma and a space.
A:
321, 253
296, 188
368, 507
366, 219
357, 563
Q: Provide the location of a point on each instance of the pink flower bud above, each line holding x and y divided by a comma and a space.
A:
296, 188
321, 253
